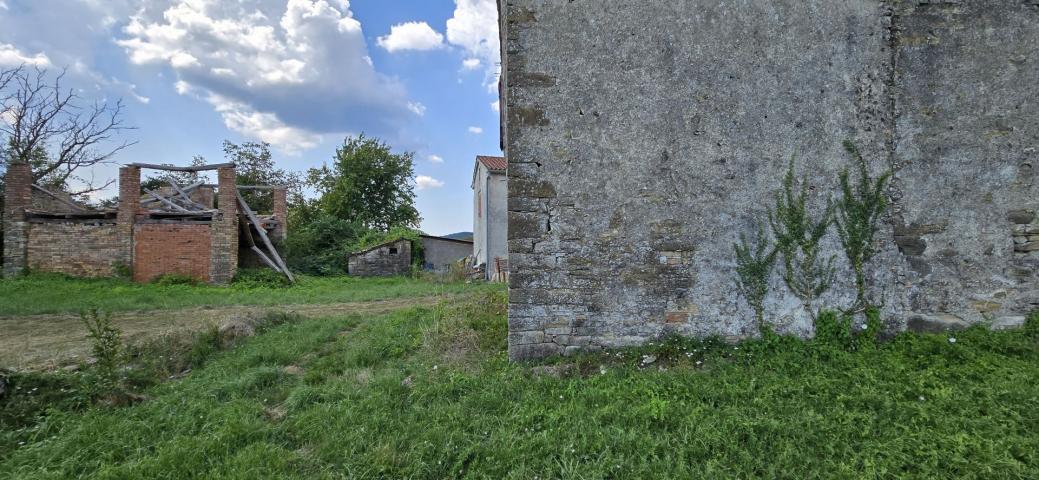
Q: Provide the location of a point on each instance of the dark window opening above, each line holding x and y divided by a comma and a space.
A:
393, 251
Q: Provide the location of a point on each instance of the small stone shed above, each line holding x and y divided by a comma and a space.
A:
46, 231
440, 253
388, 259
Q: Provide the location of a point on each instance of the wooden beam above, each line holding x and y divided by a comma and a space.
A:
263, 236
184, 195
165, 201
64, 201
171, 168
269, 262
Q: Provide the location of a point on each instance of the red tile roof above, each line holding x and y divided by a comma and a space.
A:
494, 164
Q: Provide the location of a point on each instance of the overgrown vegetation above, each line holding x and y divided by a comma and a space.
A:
858, 211
798, 235
52, 293
428, 393
754, 265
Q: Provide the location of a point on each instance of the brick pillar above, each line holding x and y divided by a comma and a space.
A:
129, 205
281, 212
223, 259
17, 198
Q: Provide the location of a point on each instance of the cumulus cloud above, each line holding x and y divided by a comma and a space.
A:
475, 130
474, 28
471, 63
411, 36
425, 182
10, 56
436, 159
496, 106
284, 71
417, 108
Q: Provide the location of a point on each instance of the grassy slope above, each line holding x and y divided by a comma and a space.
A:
920, 407
40, 294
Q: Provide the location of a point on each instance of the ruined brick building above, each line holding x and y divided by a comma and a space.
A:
644, 137
45, 232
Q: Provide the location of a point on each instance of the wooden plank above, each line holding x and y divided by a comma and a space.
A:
263, 236
165, 201
184, 196
267, 260
64, 201
171, 168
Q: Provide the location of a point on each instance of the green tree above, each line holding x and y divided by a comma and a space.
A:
369, 185
255, 166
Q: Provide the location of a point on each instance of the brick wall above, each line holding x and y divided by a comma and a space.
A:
385, 261
281, 213
182, 249
83, 249
18, 197
223, 261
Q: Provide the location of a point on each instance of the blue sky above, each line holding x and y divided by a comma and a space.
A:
300, 74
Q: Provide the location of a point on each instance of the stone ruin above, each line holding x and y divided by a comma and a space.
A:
645, 137
177, 230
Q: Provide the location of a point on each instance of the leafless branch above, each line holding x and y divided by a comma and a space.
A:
47, 126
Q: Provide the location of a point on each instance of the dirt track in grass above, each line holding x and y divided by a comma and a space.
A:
42, 342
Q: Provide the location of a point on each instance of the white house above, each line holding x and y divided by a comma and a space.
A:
491, 216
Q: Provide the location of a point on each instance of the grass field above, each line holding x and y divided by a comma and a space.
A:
45, 294
428, 393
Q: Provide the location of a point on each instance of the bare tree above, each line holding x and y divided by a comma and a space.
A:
55, 130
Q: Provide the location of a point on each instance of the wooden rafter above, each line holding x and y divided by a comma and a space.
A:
276, 259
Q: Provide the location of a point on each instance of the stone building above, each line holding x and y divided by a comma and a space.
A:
440, 253
388, 259
490, 216
47, 232
644, 137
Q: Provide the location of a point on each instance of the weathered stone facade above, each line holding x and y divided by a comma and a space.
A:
644, 137
387, 260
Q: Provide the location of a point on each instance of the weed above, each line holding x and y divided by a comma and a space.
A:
858, 211
754, 265
798, 235
107, 346
170, 279
250, 278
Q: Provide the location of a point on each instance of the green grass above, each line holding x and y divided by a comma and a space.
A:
428, 393
42, 293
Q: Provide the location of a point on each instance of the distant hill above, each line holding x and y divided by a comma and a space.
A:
468, 236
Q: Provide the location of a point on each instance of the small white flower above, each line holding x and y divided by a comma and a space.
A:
952, 339
921, 398
560, 397
434, 367
865, 327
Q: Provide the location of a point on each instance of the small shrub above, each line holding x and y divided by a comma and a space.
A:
171, 279
260, 278
122, 270
107, 344
858, 211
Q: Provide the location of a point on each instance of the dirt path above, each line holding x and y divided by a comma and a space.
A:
47, 341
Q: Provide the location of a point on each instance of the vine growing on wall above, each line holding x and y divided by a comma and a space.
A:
754, 264
798, 235
858, 211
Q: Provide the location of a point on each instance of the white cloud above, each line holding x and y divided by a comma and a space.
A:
10, 56
474, 28
475, 130
417, 108
3, 5
266, 127
436, 159
496, 106
411, 36
471, 63
284, 71
424, 182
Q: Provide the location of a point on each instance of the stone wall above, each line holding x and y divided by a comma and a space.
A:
78, 248
645, 137
17, 197
387, 260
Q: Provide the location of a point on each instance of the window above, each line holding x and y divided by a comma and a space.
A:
393, 250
